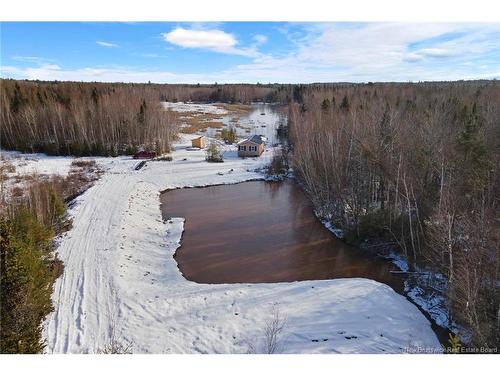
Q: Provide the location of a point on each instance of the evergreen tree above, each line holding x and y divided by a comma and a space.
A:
95, 96
475, 161
25, 279
325, 105
345, 104
141, 117
298, 93
17, 99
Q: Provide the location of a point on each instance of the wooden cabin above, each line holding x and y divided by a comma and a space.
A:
253, 146
198, 142
145, 155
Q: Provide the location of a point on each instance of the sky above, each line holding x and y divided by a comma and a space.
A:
249, 52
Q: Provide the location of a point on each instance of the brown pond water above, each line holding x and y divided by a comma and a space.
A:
262, 232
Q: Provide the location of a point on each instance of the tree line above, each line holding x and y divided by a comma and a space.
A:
69, 118
414, 165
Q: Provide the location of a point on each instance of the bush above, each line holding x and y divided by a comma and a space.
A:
374, 224
229, 135
279, 164
371, 225
214, 154
163, 158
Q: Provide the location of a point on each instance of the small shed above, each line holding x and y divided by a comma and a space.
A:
198, 142
145, 155
253, 146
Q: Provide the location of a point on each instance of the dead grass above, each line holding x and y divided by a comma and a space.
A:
81, 175
201, 122
240, 109
193, 122
79, 163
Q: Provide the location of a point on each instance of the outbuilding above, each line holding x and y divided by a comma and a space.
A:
253, 146
198, 142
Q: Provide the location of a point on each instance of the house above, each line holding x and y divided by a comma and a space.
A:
253, 146
145, 155
198, 142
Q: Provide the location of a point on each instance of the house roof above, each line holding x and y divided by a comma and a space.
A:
257, 139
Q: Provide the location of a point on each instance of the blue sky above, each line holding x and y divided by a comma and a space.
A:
249, 52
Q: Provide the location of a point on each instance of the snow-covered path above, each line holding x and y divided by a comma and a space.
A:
120, 276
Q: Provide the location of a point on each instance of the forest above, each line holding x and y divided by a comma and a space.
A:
80, 119
413, 167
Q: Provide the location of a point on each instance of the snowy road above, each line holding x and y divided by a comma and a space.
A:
120, 278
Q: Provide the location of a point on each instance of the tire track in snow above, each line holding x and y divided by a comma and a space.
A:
82, 295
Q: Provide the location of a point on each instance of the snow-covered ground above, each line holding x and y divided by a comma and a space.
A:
120, 279
194, 108
36, 163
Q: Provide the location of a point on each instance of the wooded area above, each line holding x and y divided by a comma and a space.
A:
80, 119
30, 218
415, 165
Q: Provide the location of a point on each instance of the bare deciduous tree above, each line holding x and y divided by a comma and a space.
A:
272, 341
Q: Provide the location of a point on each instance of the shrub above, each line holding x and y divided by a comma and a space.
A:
229, 135
279, 164
213, 154
163, 158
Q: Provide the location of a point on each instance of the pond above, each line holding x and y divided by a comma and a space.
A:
262, 232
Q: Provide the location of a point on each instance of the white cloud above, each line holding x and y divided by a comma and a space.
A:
107, 44
437, 52
35, 59
212, 40
422, 54
380, 52
260, 39
216, 40
50, 72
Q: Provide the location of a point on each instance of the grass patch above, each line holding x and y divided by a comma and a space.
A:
240, 109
